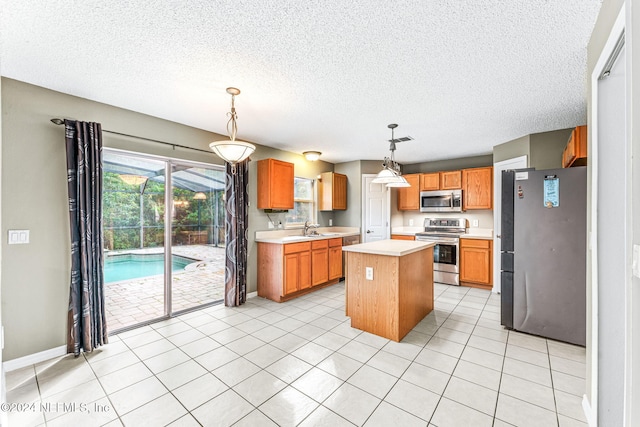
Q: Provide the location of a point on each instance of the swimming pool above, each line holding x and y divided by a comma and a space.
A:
134, 266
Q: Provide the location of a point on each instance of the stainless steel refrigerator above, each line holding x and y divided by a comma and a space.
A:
543, 252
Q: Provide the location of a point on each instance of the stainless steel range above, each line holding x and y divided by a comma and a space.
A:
445, 233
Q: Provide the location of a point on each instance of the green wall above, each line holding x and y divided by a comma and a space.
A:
35, 277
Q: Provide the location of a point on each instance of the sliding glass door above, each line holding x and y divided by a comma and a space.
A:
164, 237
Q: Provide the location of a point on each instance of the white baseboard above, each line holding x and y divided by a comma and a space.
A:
588, 413
252, 294
32, 359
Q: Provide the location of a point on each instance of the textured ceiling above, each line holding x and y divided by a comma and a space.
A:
329, 75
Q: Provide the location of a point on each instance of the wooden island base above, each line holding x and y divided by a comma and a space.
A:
401, 292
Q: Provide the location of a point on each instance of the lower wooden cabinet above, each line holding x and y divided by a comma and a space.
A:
289, 270
319, 262
402, 237
335, 259
476, 262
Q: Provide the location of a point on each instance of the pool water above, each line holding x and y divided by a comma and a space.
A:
125, 267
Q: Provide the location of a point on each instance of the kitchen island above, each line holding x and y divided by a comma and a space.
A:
389, 286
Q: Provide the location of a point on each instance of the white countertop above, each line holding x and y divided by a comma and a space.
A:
389, 247
295, 235
478, 233
407, 231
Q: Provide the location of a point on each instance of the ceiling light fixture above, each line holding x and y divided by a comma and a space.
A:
232, 151
134, 179
390, 173
312, 156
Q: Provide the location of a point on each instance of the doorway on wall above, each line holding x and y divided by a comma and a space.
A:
515, 163
375, 210
163, 225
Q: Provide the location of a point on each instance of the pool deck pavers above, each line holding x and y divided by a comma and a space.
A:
134, 301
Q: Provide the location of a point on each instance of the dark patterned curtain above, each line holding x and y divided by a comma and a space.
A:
236, 221
86, 328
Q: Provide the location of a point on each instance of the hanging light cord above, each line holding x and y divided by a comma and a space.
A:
232, 126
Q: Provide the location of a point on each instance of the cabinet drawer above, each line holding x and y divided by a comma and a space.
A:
320, 244
475, 243
290, 248
335, 242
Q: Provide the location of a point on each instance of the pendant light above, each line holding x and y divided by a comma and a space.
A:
232, 151
390, 173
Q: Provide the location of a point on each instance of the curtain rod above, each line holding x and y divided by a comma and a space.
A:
61, 122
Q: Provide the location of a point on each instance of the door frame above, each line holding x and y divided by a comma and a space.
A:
497, 220
363, 186
590, 401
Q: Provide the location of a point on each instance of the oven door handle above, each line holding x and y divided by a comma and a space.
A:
438, 240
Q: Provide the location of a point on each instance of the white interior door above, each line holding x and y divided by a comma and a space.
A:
375, 210
515, 163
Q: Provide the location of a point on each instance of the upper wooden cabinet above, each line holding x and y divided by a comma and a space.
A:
477, 188
275, 184
575, 153
429, 181
332, 191
409, 197
451, 180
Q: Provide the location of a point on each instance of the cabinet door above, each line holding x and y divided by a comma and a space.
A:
402, 237
291, 273
339, 191
429, 181
409, 197
335, 262
477, 186
474, 265
304, 266
569, 153
475, 261
319, 266
451, 180
275, 184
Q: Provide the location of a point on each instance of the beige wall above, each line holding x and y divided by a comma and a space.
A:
512, 149
546, 148
450, 164
35, 277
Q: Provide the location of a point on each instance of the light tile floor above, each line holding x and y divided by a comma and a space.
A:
300, 363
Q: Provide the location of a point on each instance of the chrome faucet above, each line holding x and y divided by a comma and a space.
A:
307, 226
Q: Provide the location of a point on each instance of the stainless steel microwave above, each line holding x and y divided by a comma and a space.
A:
441, 201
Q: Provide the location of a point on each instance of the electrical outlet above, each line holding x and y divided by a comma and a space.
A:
270, 224
475, 223
330, 222
368, 273
410, 223
18, 237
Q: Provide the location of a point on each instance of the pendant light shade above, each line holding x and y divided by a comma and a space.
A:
390, 173
199, 196
133, 179
230, 150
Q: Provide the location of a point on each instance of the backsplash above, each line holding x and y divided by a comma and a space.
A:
403, 219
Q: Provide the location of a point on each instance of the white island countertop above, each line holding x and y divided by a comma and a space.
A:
389, 247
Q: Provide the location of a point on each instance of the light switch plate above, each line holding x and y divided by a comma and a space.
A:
368, 272
636, 261
410, 223
18, 237
330, 222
